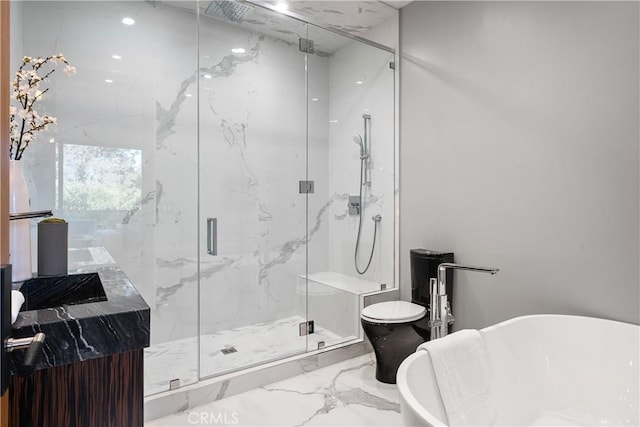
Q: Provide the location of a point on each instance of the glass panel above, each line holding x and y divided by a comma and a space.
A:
252, 157
348, 81
120, 163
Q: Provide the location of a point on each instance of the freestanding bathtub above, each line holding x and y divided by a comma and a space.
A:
545, 370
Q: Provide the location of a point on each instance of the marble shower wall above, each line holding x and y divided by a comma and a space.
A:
251, 145
253, 155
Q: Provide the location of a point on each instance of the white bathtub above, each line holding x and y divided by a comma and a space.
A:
546, 370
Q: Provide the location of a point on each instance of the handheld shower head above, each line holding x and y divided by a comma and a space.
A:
358, 140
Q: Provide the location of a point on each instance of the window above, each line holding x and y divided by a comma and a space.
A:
103, 184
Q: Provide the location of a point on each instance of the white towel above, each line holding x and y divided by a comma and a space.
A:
463, 374
17, 299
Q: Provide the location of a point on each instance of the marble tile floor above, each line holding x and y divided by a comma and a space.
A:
343, 394
228, 350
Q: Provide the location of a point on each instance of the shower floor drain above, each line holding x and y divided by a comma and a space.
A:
229, 350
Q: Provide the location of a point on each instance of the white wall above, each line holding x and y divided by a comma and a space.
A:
519, 149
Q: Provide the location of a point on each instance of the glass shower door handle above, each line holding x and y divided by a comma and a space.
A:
212, 236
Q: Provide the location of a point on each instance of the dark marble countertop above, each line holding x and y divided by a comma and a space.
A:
91, 330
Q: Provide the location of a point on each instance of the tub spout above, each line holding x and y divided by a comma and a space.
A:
440, 316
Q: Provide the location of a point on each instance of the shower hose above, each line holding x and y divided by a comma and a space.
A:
376, 220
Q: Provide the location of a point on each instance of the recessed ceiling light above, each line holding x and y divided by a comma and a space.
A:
314, 99
52, 140
207, 76
333, 121
359, 82
108, 81
238, 50
128, 21
188, 95
282, 6
114, 56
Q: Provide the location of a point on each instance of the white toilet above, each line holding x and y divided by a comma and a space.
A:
395, 329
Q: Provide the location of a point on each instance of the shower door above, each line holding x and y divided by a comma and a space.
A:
252, 173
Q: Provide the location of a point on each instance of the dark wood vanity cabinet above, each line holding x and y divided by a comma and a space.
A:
102, 392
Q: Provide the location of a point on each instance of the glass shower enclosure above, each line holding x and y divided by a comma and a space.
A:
273, 185
226, 156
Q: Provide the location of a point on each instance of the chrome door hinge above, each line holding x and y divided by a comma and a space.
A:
306, 45
306, 187
392, 65
306, 328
